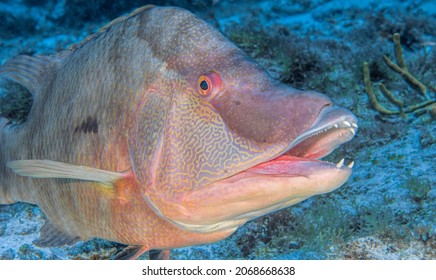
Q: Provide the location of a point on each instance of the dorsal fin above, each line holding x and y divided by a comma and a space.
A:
29, 71
108, 26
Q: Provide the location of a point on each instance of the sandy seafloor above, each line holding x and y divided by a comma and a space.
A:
386, 210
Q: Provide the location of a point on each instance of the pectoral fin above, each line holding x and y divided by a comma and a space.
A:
55, 169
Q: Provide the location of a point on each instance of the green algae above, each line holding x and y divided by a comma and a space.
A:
418, 188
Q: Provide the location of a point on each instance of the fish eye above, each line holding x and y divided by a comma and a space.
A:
205, 86
209, 83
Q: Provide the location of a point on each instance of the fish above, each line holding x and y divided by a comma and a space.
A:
158, 132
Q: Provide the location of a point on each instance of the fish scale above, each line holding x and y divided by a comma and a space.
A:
158, 132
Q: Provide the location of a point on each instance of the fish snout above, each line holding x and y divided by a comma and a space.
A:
270, 115
298, 111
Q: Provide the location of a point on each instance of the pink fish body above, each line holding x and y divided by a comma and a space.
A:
158, 132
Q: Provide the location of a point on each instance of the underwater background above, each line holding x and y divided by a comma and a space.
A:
386, 210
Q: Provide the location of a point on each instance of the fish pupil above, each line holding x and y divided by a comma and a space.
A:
204, 85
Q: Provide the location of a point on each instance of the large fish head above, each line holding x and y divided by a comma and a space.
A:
235, 144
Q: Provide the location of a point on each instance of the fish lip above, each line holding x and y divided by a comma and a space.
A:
269, 186
331, 120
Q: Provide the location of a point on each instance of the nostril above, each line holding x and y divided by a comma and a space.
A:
330, 104
325, 106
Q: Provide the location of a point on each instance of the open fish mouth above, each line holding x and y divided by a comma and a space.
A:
333, 127
295, 174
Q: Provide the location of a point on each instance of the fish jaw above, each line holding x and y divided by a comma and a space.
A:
258, 191
281, 181
254, 193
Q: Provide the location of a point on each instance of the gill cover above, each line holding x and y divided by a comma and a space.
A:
208, 111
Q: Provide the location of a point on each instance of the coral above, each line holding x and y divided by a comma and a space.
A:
322, 229
418, 188
29, 252
254, 41
423, 232
317, 232
7, 255
432, 111
401, 68
2, 229
105, 254
292, 61
382, 213
15, 102
370, 248
299, 64
411, 25
95, 249
376, 248
246, 244
426, 137
380, 219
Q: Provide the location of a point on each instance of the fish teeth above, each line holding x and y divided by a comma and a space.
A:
354, 125
340, 163
346, 123
336, 125
353, 131
351, 164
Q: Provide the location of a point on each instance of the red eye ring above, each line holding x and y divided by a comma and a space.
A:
209, 84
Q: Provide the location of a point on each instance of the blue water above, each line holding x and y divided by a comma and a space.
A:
386, 210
